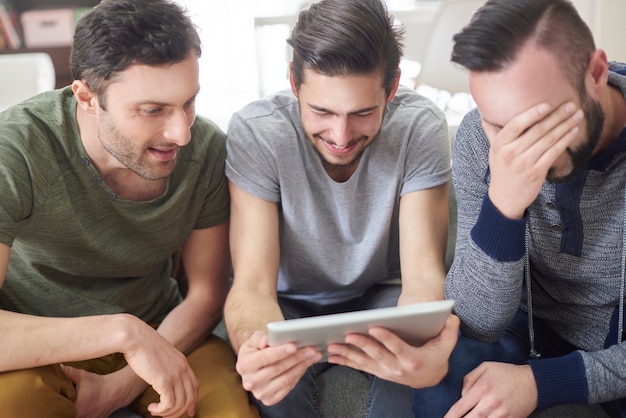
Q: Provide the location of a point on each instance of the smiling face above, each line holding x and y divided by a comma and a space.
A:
147, 115
341, 116
534, 77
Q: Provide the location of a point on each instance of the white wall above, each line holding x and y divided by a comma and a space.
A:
606, 20
611, 28
229, 67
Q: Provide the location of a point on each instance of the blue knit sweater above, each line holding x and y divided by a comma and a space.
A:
576, 250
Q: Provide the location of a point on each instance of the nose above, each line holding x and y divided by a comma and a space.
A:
341, 131
177, 129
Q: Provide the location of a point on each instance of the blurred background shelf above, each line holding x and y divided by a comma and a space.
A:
59, 53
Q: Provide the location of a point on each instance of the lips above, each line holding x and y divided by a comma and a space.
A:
337, 150
164, 154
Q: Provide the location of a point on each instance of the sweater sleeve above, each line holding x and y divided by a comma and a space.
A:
581, 377
605, 371
560, 380
488, 263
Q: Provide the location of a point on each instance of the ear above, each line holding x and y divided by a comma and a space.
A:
394, 87
292, 81
598, 71
86, 98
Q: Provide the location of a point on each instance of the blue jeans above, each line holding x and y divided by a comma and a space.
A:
512, 347
386, 399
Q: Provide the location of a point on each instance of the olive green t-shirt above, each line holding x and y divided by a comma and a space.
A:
76, 247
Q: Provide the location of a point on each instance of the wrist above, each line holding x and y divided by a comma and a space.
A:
132, 386
126, 333
122, 387
507, 210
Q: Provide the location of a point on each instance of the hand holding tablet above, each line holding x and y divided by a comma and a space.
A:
415, 324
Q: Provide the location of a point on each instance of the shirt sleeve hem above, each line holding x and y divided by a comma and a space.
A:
560, 380
499, 237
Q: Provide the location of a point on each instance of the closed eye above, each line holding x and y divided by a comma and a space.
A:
152, 110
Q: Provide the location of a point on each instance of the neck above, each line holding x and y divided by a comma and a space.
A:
130, 186
88, 130
614, 107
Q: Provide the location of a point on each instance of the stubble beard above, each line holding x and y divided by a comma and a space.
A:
580, 157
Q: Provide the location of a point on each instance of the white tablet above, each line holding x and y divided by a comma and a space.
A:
415, 324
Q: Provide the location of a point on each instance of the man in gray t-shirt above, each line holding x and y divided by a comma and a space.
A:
338, 188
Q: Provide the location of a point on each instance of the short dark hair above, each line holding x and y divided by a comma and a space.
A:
342, 37
501, 28
117, 33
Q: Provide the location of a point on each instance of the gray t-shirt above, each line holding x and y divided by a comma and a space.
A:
337, 239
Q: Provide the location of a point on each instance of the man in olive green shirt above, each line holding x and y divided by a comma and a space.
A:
101, 182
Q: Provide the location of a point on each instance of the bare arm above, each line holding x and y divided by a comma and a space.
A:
270, 373
206, 260
54, 340
35, 341
255, 250
423, 237
31, 341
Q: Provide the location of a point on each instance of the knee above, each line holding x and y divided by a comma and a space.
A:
214, 354
221, 393
41, 391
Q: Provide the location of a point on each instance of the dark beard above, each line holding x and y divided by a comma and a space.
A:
580, 157
332, 166
350, 164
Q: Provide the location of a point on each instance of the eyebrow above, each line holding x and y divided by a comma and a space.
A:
355, 112
164, 104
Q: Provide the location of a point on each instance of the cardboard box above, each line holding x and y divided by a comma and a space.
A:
44, 28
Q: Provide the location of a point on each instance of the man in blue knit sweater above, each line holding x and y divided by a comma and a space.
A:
539, 172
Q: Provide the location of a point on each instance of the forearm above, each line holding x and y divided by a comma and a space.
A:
206, 264
424, 288
191, 322
423, 238
246, 312
255, 249
487, 292
488, 268
31, 341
